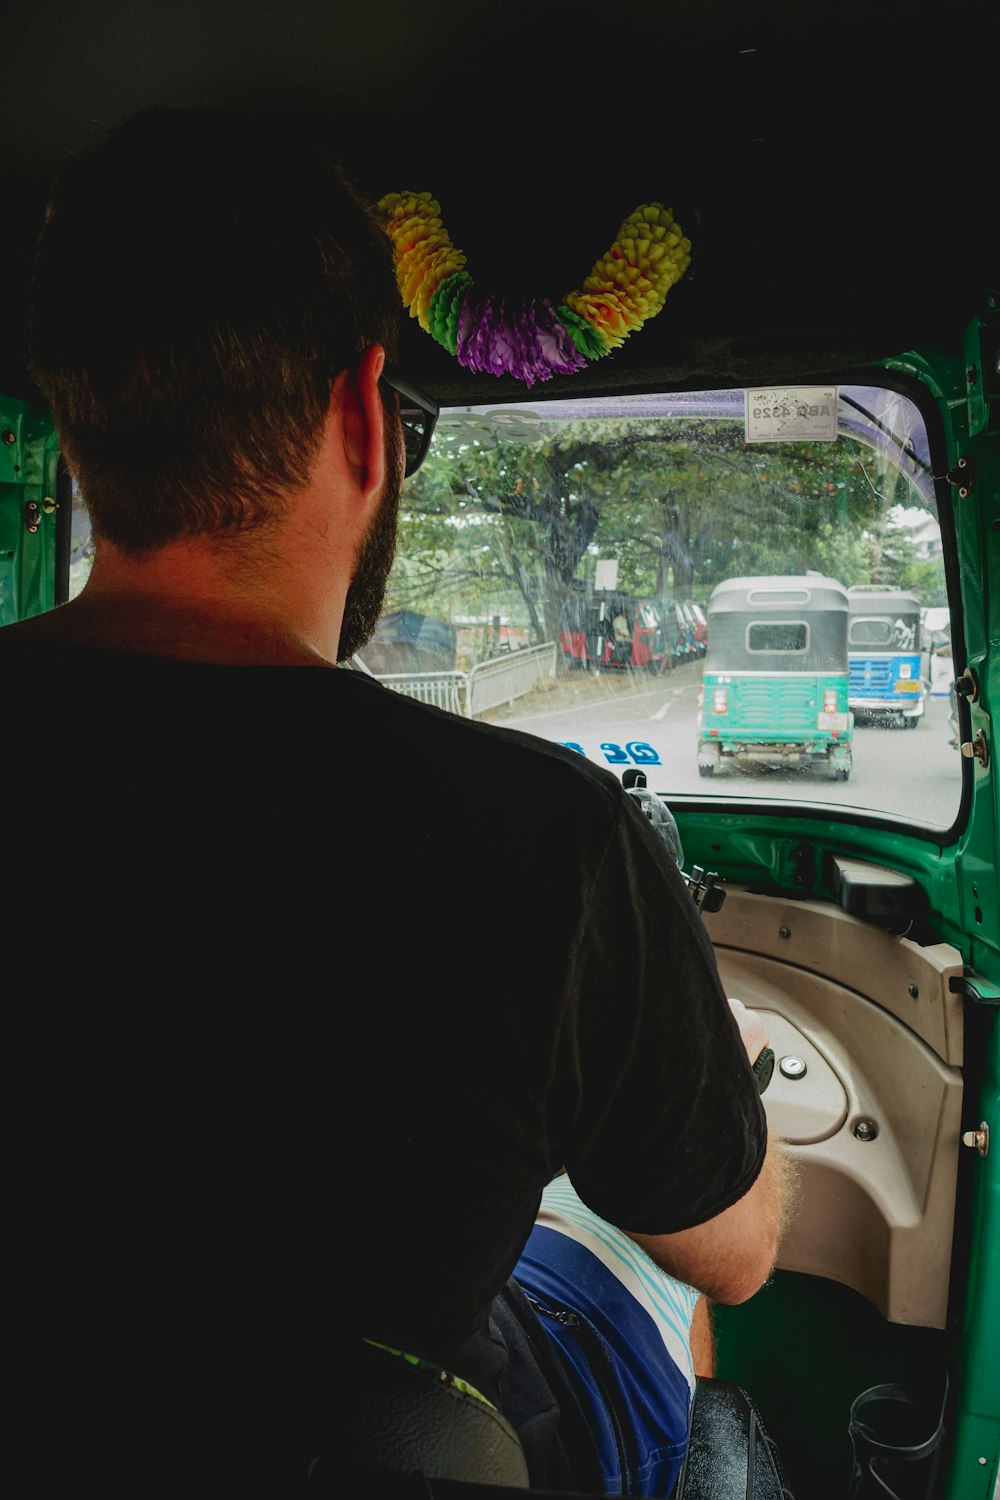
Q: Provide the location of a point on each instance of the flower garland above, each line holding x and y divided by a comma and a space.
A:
535, 340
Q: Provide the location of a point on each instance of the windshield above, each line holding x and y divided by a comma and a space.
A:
564, 565
740, 592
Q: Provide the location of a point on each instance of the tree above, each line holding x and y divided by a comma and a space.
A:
513, 526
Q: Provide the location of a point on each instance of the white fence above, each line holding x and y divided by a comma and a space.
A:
501, 680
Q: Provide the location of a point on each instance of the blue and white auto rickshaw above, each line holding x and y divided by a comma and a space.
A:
883, 652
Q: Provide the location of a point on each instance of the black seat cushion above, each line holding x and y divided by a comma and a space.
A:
410, 1417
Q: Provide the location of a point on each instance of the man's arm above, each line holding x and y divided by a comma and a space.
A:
730, 1256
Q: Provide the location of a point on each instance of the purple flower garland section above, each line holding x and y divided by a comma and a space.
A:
529, 342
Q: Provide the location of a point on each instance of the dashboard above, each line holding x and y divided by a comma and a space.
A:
866, 1090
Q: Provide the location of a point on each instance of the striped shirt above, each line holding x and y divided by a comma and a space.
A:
622, 1327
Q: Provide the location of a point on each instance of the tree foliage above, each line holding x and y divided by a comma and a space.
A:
513, 526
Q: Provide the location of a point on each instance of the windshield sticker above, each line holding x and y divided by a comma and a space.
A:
633, 753
791, 414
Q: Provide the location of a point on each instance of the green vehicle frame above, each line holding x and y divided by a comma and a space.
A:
836, 187
775, 680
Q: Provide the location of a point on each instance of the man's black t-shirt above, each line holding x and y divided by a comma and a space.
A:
318, 987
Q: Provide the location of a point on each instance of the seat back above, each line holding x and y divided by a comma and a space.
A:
411, 1417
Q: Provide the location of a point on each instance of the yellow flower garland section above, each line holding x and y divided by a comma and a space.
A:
627, 286
630, 282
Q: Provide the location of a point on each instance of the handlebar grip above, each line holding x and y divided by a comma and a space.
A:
763, 1068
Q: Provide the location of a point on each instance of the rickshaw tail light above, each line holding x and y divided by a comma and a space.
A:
830, 701
720, 701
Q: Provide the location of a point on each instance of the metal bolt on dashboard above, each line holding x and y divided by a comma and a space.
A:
866, 1130
793, 1067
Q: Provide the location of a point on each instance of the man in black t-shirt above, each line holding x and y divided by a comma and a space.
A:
268, 1111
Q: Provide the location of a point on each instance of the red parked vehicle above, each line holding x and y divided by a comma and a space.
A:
697, 615
612, 629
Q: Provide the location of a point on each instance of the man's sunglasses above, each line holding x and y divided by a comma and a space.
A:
418, 413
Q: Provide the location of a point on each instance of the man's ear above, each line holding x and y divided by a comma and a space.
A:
362, 415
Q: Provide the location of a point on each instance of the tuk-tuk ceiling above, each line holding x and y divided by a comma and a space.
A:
834, 189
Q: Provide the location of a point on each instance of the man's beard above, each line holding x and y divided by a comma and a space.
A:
366, 593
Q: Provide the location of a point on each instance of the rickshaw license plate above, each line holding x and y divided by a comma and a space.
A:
907, 685
833, 722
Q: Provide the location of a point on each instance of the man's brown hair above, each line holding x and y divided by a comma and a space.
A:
199, 277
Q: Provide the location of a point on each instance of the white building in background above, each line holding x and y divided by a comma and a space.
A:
935, 627
924, 531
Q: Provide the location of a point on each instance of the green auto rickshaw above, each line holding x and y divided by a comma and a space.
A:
775, 679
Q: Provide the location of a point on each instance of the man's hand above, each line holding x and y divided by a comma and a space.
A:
752, 1029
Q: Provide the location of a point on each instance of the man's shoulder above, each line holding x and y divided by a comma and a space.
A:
481, 758
338, 718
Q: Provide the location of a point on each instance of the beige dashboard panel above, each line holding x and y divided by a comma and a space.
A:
910, 981
805, 1101
874, 1122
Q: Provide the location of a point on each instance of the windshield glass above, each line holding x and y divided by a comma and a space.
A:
662, 581
740, 592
